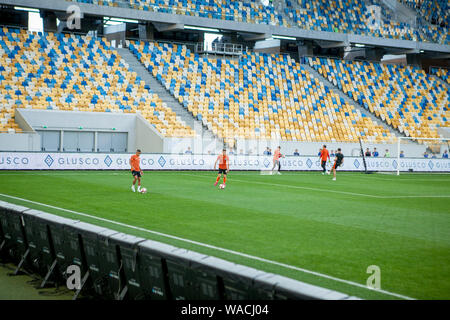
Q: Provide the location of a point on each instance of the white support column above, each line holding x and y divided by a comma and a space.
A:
61, 141
95, 141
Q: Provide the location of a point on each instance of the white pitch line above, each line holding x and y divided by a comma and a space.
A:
345, 192
355, 284
418, 196
333, 191
265, 183
297, 187
313, 189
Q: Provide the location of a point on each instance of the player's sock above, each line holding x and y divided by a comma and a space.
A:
217, 181
132, 188
224, 180
139, 188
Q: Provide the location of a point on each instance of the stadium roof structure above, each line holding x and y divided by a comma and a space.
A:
259, 31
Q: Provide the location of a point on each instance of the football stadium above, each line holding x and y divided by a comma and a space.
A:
224, 150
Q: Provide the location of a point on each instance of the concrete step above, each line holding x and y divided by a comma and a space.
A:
352, 102
166, 96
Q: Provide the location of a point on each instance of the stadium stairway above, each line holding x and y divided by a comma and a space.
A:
352, 102
166, 97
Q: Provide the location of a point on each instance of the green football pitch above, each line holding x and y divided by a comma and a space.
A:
301, 225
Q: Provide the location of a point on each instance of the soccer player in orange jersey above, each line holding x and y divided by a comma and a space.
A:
324, 155
136, 170
276, 159
224, 166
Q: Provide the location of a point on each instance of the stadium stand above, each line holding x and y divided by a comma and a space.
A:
404, 96
73, 72
347, 16
249, 11
343, 16
433, 33
436, 12
436, 15
259, 96
444, 74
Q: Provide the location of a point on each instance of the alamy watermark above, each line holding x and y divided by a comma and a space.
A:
74, 277
74, 17
374, 280
373, 18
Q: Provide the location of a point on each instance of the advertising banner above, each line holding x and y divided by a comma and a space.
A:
114, 161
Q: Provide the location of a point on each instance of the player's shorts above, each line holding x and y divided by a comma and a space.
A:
136, 173
336, 165
224, 171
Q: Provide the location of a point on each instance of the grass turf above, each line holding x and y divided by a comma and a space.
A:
23, 287
337, 228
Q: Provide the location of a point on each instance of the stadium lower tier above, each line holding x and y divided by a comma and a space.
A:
444, 74
259, 96
405, 97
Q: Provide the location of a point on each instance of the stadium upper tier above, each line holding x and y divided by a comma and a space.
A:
444, 74
343, 16
435, 12
250, 11
72, 72
260, 96
346, 16
404, 96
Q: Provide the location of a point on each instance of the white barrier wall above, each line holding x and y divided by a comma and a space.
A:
20, 141
93, 161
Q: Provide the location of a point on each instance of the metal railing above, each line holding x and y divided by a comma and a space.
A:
189, 45
221, 48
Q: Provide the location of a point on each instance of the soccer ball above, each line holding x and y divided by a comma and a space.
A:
143, 190
222, 186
